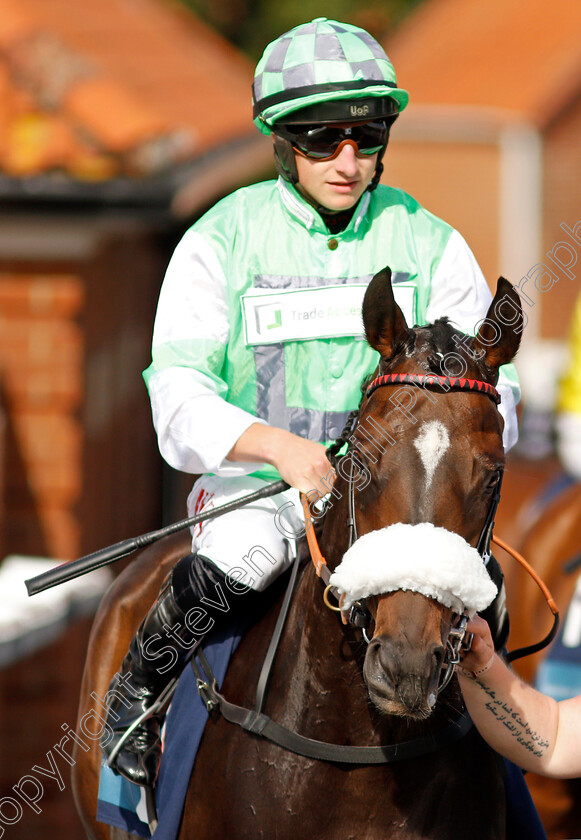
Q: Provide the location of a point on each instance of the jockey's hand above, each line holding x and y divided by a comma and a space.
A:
301, 463
481, 651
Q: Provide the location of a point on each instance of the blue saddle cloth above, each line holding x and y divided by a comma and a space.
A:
522, 819
122, 804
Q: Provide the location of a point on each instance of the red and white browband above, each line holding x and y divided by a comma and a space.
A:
446, 383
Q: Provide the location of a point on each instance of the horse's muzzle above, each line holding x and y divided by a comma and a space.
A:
401, 680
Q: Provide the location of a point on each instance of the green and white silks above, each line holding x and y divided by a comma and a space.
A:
259, 317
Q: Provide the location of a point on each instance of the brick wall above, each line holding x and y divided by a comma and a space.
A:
41, 358
82, 468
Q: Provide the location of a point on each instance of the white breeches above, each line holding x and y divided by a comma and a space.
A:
259, 539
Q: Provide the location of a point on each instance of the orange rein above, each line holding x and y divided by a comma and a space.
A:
319, 562
528, 568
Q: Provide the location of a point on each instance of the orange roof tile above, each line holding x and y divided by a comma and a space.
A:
143, 83
522, 56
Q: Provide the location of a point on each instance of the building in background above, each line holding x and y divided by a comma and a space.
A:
120, 122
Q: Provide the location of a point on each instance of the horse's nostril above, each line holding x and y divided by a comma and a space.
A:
439, 653
379, 659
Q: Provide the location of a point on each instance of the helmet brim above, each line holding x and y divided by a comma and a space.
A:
373, 102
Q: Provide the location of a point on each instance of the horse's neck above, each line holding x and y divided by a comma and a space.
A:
317, 685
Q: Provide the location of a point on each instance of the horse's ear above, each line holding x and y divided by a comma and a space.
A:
384, 322
498, 337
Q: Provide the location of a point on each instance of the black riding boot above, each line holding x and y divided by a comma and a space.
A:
195, 599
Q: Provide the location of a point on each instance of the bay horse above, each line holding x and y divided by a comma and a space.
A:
438, 461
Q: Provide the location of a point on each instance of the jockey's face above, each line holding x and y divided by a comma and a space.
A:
336, 183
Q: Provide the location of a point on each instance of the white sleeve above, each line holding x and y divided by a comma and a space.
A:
196, 427
460, 292
459, 289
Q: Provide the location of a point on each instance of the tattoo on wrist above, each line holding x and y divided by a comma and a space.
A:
512, 720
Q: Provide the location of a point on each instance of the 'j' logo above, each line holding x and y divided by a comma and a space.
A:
267, 318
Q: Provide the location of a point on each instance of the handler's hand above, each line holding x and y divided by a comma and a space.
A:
482, 649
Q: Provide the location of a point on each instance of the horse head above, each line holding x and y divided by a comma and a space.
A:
418, 482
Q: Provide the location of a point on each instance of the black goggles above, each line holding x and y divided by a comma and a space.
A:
322, 142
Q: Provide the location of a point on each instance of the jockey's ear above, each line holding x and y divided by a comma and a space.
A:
498, 337
386, 329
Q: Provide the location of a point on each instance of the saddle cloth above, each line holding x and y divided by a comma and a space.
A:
123, 804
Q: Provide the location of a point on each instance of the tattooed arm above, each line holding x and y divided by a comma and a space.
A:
531, 729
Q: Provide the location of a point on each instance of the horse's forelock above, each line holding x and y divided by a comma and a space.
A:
442, 334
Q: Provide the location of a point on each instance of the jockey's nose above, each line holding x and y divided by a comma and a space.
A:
346, 160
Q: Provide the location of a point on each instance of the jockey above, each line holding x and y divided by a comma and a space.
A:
257, 348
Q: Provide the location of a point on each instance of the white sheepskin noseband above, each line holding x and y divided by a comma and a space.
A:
420, 558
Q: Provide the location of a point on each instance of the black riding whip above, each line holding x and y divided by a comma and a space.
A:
105, 556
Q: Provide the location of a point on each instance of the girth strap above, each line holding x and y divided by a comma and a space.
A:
260, 724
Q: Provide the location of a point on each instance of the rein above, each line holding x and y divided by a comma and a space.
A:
534, 648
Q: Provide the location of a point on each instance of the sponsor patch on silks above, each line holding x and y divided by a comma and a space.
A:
306, 314
419, 558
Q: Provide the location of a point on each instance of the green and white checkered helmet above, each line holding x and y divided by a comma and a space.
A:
324, 69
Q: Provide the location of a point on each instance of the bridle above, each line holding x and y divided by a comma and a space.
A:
359, 614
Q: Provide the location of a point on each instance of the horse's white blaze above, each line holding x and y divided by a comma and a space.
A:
432, 442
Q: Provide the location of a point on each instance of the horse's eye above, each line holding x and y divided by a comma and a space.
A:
357, 461
359, 469
493, 480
